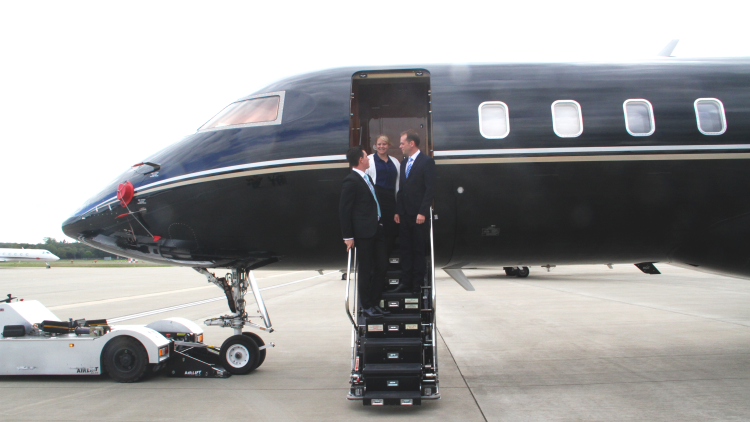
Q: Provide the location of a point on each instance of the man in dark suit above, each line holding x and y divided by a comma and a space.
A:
417, 189
361, 226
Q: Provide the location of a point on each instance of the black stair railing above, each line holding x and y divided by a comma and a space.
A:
351, 266
433, 292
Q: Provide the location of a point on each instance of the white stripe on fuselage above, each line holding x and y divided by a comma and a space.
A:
475, 156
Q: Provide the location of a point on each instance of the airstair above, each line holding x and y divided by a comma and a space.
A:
394, 358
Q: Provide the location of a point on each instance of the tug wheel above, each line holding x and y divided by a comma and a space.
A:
343, 277
522, 272
258, 341
239, 355
509, 271
125, 359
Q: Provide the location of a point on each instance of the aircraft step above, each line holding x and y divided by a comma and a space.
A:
392, 350
392, 398
393, 376
401, 302
393, 359
392, 326
392, 368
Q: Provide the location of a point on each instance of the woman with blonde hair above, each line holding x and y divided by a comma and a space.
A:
385, 171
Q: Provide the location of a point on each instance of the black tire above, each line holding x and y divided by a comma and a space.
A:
523, 272
125, 359
239, 355
258, 341
509, 271
343, 277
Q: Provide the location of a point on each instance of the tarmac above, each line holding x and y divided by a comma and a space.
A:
579, 343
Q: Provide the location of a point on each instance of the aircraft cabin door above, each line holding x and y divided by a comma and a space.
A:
388, 102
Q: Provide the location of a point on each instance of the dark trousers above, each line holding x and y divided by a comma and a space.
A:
373, 264
387, 201
413, 244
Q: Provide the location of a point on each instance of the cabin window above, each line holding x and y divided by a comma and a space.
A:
567, 120
639, 117
493, 120
710, 115
257, 110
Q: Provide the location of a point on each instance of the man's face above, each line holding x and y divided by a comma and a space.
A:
406, 146
364, 163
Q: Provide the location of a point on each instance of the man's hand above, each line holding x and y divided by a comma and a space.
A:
349, 244
396, 219
420, 218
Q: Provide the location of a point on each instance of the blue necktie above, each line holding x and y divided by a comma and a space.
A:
408, 166
367, 179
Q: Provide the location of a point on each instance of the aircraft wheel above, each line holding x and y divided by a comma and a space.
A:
509, 271
258, 341
239, 355
125, 359
343, 277
523, 272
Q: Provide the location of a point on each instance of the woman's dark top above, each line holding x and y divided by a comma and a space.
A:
386, 173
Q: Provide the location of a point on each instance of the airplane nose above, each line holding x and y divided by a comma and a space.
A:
54, 258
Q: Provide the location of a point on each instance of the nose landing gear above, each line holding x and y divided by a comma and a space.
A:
244, 351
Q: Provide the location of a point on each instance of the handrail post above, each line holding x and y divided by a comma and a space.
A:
434, 294
348, 282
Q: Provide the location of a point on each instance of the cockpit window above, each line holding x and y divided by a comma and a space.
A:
258, 110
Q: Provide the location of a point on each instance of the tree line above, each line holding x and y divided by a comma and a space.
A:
63, 249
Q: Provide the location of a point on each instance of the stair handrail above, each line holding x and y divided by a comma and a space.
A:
433, 292
349, 268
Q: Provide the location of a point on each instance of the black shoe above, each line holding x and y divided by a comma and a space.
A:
381, 310
372, 313
402, 288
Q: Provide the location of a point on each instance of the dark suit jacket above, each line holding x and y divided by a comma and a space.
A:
416, 192
358, 211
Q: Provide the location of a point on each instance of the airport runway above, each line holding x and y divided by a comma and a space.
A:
579, 343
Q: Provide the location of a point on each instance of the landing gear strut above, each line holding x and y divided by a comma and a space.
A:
244, 351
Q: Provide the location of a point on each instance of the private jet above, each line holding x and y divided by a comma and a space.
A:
7, 255
538, 164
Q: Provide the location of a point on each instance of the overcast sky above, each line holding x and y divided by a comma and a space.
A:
89, 88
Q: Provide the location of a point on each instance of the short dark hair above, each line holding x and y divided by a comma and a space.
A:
353, 155
411, 135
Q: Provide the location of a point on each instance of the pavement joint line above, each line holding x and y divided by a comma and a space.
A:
462, 375
707, 355
629, 303
202, 302
613, 383
126, 298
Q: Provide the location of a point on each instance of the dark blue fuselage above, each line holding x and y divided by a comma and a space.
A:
238, 197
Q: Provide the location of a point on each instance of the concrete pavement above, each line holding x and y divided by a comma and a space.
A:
577, 344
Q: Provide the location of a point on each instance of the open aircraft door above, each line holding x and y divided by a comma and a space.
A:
388, 102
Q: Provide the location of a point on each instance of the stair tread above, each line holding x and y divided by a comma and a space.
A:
414, 318
400, 295
393, 394
392, 369
391, 341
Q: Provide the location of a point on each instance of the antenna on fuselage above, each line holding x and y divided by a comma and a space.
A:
668, 49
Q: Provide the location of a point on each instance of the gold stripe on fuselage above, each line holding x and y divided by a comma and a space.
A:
455, 161
266, 170
583, 158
